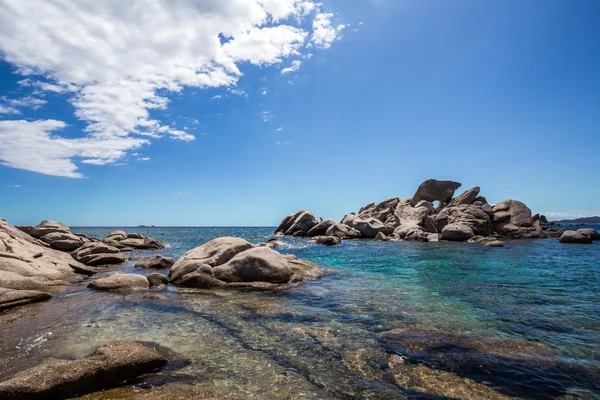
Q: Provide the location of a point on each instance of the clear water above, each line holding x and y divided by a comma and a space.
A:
323, 339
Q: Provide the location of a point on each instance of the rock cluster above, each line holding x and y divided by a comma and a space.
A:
30, 269
56, 234
235, 263
465, 217
108, 366
132, 241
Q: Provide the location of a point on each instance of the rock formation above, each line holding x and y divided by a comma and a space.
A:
157, 262
235, 263
132, 241
462, 218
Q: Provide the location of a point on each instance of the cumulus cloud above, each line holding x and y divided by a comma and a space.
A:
116, 63
294, 66
324, 33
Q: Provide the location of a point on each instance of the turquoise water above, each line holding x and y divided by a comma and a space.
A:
323, 339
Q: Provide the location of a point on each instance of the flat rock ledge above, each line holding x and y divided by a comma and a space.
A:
234, 263
460, 218
108, 366
129, 282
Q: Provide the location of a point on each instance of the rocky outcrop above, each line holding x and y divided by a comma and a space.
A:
433, 190
106, 367
327, 240
157, 262
514, 219
235, 263
343, 232
297, 224
56, 234
30, 270
121, 283
157, 280
457, 232
592, 233
321, 228
575, 237
369, 228
467, 197
472, 216
98, 253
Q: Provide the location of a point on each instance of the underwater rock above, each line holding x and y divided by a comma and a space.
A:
327, 240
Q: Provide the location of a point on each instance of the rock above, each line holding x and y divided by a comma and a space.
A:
518, 213
45, 227
575, 237
141, 244
465, 214
495, 243
371, 227
382, 237
31, 271
348, 220
286, 223
482, 200
343, 232
236, 264
457, 232
259, 264
433, 237
62, 241
157, 262
406, 214
467, 197
321, 228
273, 243
135, 236
119, 233
98, 253
327, 240
424, 203
433, 190
106, 367
383, 211
411, 230
121, 283
592, 233
297, 224
157, 280
10, 298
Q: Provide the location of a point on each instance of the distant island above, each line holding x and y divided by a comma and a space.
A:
584, 220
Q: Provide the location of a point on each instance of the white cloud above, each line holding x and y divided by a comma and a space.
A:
264, 92
237, 92
279, 129
8, 110
196, 122
144, 159
266, 116
282, 143
294, 66
116, 63
324, 34
555, 216
15, 186
26, 102
217, 97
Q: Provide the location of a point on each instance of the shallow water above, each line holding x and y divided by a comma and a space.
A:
535, 306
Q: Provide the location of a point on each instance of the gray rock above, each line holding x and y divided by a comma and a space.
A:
10, 298
575, 237
433, 237
433, 190
141, 244
62, 241
321, 228
467, 197
371, 227
157, 262
327, 240
349, 219
495, 243
343, 232
383, 211
406, 214
121, 283
470, 215
457, 232
108, 366
426, 204
514, 220
303, 223
592, 233
259, 264
98, 253
135, 236
45, 227
382, 237
157, 280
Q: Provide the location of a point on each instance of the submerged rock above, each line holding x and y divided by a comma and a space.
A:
327, 240
343, 232
575, 237
235, 263
108, 366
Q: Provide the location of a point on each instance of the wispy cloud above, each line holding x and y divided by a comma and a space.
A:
15, 186
558, 215
267, 116
282, 143
8, 110
294, 66
143, 159
279, 129
217, 97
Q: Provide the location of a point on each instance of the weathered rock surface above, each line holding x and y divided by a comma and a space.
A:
495, 243
98, 253
457, 232
157, 262
467, 197
235, 263
106, 367
132, 241
121, 283
575, 237
321, 228
514, 219
30, 270
327, 240
297, 224
157, 280
343, 232
371, 227
592, 233
469, 215
433, 190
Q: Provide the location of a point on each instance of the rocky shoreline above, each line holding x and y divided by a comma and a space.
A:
467, 217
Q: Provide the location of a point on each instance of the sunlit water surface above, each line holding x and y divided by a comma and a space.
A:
323, 339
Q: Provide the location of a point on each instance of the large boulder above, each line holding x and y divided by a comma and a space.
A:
465, 214
383, 211
121, 283
575, 237
106, 367
592, 233
349, 219
343, 231
321, 228
63, 241
141, 244
235, 263
329, 240
98, 253
371, 227
514, 219
434, 190
31, 271
45, 227
407, 214
467, 197
412, 233
297, 224
457, 232
157, 262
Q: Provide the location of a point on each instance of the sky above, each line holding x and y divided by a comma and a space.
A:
239, 112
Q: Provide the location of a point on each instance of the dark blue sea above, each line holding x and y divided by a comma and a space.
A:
522, 321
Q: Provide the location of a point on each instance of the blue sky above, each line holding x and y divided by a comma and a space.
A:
241, 111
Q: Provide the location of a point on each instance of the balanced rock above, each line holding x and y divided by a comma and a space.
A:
575, 237
157, 262
433, 190
327, 240
121, 283
106, 367
235, 263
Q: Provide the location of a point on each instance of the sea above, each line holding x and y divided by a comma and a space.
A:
389, 320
